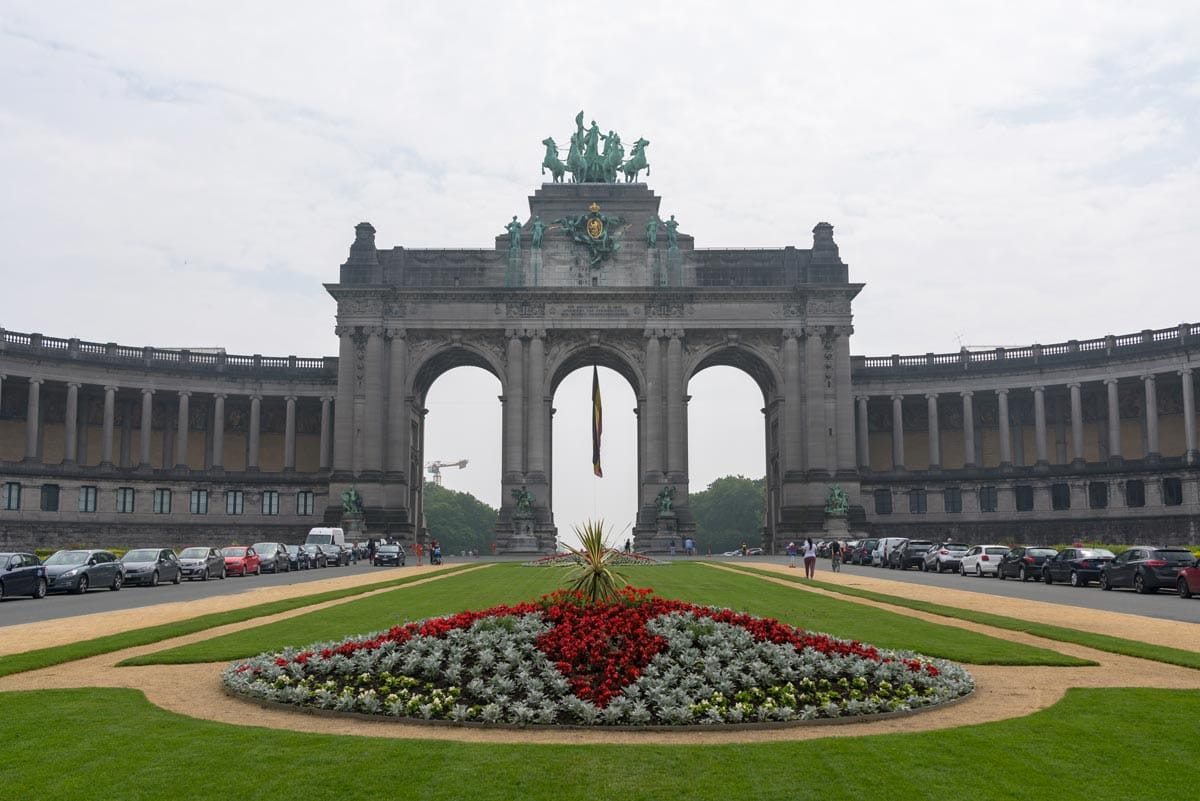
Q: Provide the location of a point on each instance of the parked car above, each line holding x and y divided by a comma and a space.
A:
1145, 569
863, 553
883, 549
201, 562
910, 553
297, 557
316, 557
151, 565
389, 555
981, 560
22, 574
273, 557
336, 555
848, 549
1024, 562
241, 560
1076, 566
77, 571
946, 556
1188, 581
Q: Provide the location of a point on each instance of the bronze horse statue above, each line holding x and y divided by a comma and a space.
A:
557, 168
637, 161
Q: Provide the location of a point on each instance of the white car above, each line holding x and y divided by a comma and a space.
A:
886, 545
982, 560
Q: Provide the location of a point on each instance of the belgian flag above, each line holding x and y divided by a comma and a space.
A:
597, 422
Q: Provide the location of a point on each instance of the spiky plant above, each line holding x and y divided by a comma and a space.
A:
595, 577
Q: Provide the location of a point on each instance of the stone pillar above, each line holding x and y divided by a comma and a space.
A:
1039, 425
536, 418
843, 411
1189, 416
33, 418
71, 424
218, 458
1114, 420
815, 436
514, 408
343, 421
968, 411
1005, 435
1076, 424
374, 404
792, 423
897, 432
398, 453
1152, 451
181, 432
255, 422
326, 433
676, 412
864, 435
106, 441
289, 435
935, 444
654, 461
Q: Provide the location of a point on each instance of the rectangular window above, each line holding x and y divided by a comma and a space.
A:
270, 502
883, 502
49, 497
199, 504
1024, 497
952, 499
1060, 496
233, 502
87, 499
987, 499
305, 501
125, 499
1135, 493
12, 496
162, 501
917, 502
1172, 492
1098, 495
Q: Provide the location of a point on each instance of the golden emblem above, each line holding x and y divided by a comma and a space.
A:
595, 228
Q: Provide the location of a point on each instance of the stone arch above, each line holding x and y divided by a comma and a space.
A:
586, 353
750, 359
432, 364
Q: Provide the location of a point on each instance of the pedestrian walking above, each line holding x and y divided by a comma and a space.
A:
791, 552
810, 558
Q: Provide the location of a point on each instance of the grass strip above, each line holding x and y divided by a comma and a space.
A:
45, 657
1101, 642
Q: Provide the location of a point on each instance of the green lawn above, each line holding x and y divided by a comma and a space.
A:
510, 583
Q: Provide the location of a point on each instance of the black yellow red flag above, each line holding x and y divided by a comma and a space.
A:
597, 422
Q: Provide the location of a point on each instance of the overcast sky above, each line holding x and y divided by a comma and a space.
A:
184, 174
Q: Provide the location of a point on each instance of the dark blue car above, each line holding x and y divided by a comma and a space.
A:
22, 574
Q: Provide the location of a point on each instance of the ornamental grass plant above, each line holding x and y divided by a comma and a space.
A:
596, 576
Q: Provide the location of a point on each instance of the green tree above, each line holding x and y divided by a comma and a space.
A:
729, 513
458, 520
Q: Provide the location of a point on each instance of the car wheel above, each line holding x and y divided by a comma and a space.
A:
978, 571
178, 577
1000, 574
1184, 590
222, 576
204, 575
82, 586
1, 590
1076, 581
1139, 584
39, 589
258, 570
154, 579
962, 571
1024, 576
118, 581
1104, 585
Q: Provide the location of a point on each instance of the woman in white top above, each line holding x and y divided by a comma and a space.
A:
810, 558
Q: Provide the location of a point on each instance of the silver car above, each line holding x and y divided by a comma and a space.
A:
202, 562
149, 566
77, 571
273, 557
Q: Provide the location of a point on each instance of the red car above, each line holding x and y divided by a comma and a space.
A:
241, 560
1188, 582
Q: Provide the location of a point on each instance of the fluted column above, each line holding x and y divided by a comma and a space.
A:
514, 408
897, 432
815, 427
398, 425
326, 433
535, 420
843, 411
676, 411
1151, 417
71, 424
106, 442
218, 460
792, 425
255, 422
374, 411
33, 418
289, 434
864, 435
181, 431
343, 420
1039, 424
1114, 420
1189, 416
968, 411
653, 460
1076, 423
1005, 435
935, 440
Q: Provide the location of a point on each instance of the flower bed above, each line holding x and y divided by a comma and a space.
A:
637, 661
612, 557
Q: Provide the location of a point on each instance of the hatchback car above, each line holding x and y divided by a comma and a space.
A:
316, 556
273, 557
946, 556
22, 574
149, 566
1076, 566
200, 562
297, 557
389, 555
241, 560
981, 560
863, 553
1024, 562
910, 553
336, 555
1147, 570
1188, 581
77, 571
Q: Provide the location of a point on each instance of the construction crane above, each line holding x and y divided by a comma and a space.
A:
436, 469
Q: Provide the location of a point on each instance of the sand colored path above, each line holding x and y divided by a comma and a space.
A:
1002, 692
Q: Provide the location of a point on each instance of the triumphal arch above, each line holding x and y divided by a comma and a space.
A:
597, 274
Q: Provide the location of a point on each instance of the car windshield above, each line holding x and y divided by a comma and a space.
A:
1041, 552
233, 551
311, 548
193, 553
68, 558
140, 555
389, 548
1177, 556
264, 547
995, 551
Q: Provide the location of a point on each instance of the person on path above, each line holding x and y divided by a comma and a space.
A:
835, 556
791, 552
810, 558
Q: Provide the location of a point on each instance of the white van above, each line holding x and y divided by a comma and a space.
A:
325, 536
886, 546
